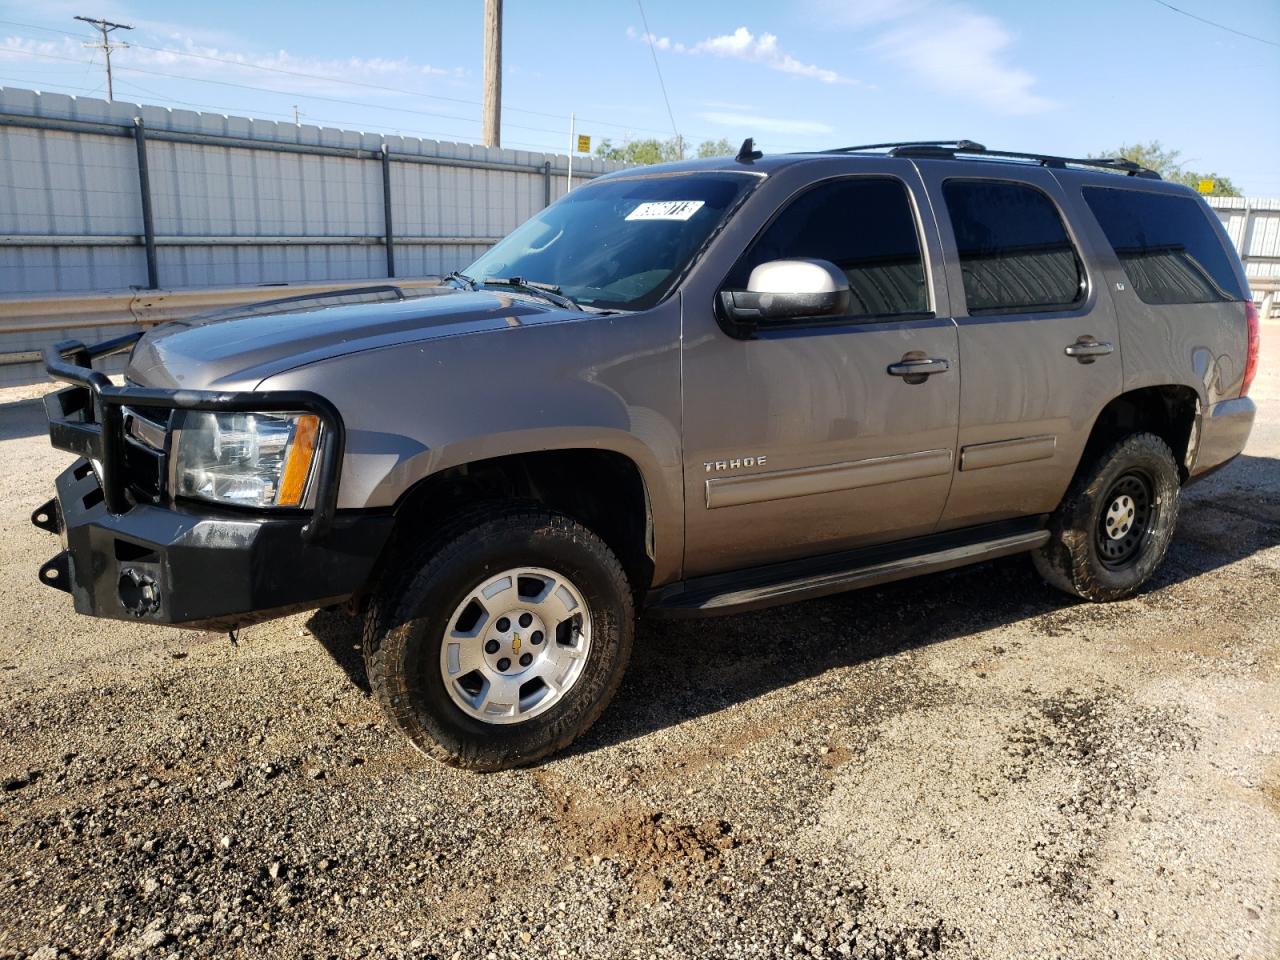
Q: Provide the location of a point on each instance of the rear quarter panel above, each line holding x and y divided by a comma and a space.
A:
1202, 346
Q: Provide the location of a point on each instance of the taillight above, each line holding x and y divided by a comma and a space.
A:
1255, 337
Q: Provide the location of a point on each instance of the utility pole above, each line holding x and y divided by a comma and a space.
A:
106, 27
573, 145
493, 73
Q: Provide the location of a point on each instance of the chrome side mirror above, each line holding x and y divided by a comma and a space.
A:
788, 290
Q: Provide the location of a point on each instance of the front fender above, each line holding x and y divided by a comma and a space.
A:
599, 382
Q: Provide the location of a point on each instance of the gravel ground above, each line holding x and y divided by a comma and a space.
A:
968, 765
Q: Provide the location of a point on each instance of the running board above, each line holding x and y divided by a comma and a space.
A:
759, 587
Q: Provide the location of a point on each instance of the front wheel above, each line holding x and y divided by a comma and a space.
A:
504, 641
1113, 528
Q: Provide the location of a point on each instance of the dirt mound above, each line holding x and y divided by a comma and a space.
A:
656, 838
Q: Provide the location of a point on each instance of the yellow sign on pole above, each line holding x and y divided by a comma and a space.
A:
1205, 186
584, 144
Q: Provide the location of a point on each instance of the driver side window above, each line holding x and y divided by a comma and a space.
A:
866, 227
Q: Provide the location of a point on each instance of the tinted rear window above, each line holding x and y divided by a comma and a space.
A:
1168, 247
1015, 254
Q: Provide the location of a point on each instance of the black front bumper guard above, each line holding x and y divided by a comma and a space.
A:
86, 419
193, 565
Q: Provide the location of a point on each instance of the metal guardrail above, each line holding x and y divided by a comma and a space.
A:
385, 157
1266, 291
135, 240
56, 315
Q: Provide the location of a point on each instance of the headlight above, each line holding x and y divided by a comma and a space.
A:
250, 459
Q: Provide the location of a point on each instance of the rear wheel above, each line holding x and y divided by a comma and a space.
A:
1112, 530
505, 639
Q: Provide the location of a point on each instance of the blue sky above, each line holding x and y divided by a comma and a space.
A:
1050, 77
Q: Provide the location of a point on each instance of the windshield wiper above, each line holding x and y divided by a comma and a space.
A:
468, 282
547, 291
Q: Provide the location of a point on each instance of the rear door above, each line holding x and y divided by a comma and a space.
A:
1038, 337
802, 440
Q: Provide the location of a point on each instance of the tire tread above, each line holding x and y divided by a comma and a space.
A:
1067, 561
392, 608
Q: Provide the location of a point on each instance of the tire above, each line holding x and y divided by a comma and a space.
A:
457, 718
1091, 553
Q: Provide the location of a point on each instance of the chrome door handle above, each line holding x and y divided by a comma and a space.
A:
1088, 348
916, 370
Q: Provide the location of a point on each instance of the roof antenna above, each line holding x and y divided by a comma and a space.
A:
748, 153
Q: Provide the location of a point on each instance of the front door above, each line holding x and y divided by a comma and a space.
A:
811, 438
1038, 338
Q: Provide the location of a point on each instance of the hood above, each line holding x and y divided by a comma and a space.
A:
239, 352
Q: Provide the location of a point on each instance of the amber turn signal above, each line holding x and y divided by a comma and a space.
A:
297, 461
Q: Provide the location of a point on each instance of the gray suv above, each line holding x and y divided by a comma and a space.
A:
689, 389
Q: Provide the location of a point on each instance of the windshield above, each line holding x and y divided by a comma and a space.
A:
617, 244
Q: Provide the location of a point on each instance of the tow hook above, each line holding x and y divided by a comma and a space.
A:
48, 516
56, 573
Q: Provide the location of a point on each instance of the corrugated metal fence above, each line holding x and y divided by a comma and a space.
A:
100, 197
1253, 223
118, 214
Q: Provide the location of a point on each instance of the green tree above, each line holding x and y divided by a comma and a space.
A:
716, 148
1155, 156
640, 151
653, 150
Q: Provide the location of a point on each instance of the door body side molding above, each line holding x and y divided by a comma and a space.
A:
828, 478
979, 456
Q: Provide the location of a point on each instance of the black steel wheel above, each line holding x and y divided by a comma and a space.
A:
1124, 520
1114, 526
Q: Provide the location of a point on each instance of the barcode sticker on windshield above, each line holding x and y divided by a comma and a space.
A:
666, 210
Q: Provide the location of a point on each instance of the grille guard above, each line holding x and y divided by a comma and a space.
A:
86, 419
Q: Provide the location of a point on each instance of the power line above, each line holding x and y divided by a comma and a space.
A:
661, 83
288, 93
338, 122
343, 81
106, 28
1238, 33
221, 108
341, 123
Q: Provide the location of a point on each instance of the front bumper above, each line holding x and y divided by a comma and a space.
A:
204, 569
129, 552
1224, 430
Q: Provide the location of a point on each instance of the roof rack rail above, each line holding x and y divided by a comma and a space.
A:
950, 149
899, 144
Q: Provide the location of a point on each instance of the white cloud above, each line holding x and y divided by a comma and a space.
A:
742, 44
945, 44
962, 54
661, 43
752, 123
190, 59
